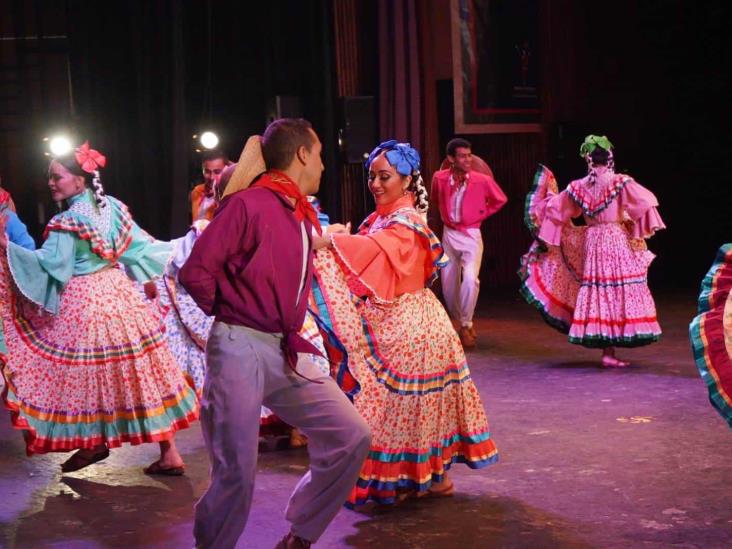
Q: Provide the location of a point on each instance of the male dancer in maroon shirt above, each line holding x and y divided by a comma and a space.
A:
252, 269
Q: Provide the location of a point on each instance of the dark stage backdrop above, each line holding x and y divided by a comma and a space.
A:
143, 80
146, 81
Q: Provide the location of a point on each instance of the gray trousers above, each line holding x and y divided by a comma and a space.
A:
245, 369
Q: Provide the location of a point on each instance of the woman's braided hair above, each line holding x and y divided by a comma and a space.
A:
420, 193
597, 151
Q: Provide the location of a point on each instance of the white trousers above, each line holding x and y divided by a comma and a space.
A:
460, 282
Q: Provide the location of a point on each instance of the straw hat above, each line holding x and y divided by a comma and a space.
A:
249, 166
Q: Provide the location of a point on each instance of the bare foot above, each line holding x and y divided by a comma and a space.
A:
169, 456
297, 439
609, 361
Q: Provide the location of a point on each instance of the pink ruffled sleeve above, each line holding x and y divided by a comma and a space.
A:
375, 264
560, 209
640, 204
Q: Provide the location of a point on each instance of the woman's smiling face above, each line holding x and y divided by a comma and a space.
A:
385, 183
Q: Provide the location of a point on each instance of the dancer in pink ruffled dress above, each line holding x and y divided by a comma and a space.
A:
591, 281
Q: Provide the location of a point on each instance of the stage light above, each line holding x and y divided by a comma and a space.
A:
209, 140
59, 145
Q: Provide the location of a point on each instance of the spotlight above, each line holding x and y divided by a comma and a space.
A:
59, 145
209, 140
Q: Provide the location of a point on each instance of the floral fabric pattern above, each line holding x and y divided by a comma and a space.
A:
100, 372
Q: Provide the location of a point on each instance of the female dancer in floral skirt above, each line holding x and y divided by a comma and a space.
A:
88, 367
416, 392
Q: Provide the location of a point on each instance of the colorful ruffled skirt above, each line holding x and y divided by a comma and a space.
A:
99, 372
711, 333
593, 287
416, 392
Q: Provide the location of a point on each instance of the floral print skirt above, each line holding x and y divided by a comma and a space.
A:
98, 372
186, 327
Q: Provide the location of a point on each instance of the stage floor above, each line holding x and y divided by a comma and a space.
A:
588, 458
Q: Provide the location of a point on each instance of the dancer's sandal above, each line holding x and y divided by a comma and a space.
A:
401, 497
445, 492
79, 460
156, 469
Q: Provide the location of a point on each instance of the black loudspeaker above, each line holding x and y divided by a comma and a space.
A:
357, 133
283, 106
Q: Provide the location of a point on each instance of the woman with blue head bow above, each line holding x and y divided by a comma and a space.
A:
415, 387
387, 187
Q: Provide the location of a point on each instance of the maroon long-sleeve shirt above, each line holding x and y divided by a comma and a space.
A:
246, 267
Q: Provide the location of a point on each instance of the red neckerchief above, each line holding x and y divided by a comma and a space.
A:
459, 177
280, 183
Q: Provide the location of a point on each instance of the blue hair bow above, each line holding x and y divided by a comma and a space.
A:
401, 156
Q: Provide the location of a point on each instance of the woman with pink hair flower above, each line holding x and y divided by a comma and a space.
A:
88, 366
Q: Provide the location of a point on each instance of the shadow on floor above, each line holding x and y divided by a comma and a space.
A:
464, 522
111, 516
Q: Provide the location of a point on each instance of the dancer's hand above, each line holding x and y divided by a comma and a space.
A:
320, 242
3, 234
338, 228
151, 290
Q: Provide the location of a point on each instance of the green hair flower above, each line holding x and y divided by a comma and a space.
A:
592, 142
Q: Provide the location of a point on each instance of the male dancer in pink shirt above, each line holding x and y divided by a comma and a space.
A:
465, 198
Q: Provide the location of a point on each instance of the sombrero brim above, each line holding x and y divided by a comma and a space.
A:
250, 165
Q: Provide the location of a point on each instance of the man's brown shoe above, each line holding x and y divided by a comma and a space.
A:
290, 541
467, 338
